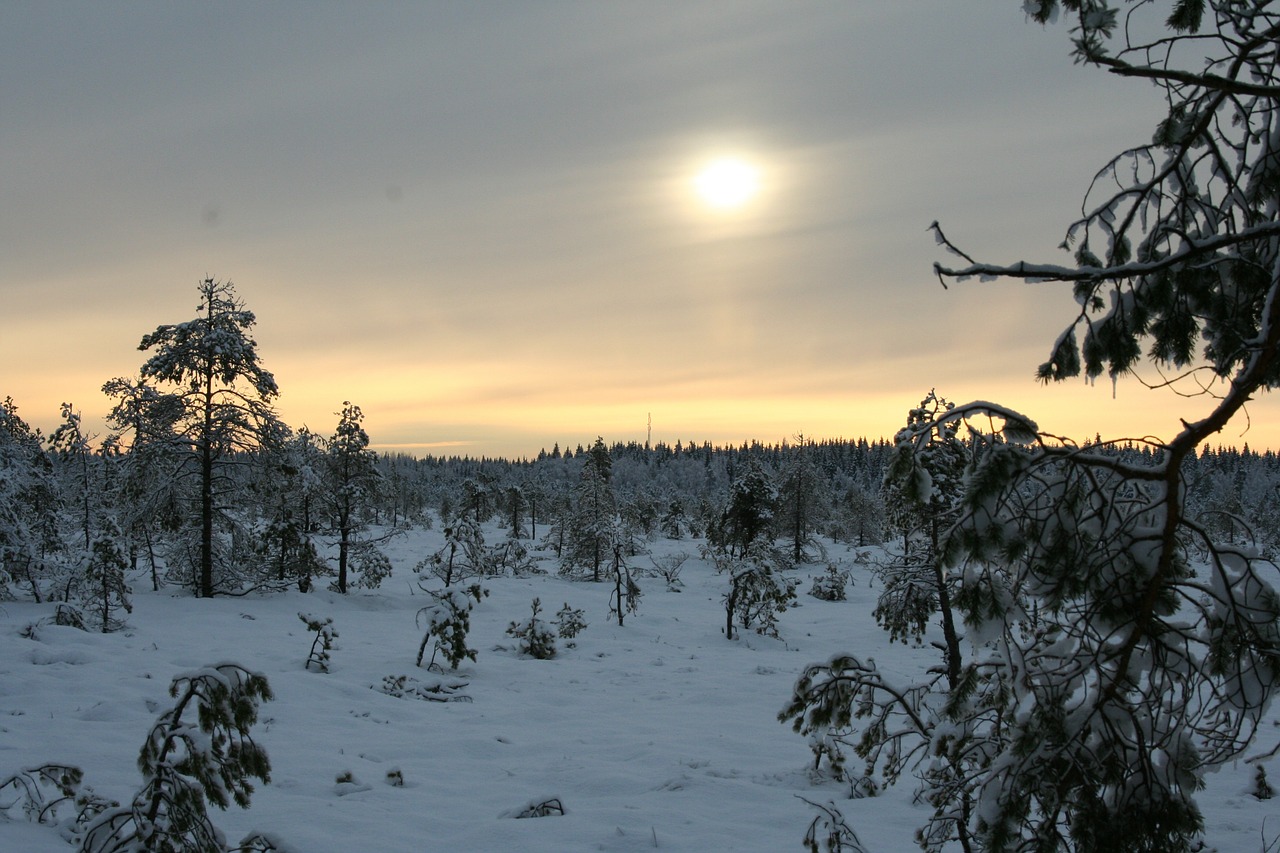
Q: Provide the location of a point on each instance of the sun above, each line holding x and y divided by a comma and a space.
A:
727, 182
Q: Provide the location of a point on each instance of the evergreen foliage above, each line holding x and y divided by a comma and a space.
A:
105, 591
448, 621
831, 585
463, 555
351, 480
748, 516
802, 501
570, 622
1119, 649
52, 794
590, 528
322, 643
758, 589
185, 763
536, 638
27, 502
217, 412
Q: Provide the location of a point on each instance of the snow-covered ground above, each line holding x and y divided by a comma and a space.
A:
659, 734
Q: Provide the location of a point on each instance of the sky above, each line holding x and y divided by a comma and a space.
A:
480, 222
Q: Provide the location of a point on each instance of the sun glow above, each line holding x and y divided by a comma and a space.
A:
728, 183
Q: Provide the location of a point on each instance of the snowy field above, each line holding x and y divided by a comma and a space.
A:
659, 734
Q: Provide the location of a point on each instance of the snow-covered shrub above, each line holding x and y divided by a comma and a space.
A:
448, 620
829, 833
626, 592
263, 842
369, 565
323, 642
758, 591
185, 763
668, 568
1262, 789
535, 636
52, 794
407, 687
511, 557
462, 556
546, 807
569, 622
68, 616
831, 584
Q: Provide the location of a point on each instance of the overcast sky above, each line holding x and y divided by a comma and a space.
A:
477, 220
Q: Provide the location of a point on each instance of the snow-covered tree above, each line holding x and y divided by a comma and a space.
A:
803, 499
448, 621
1119, 650
104, 590
536, 637
151, 467
218, 408
73, 450
748, 516
590, 528
350, 483
291, 491
463, 554
28, 517
626, 594
186, 763
758, 588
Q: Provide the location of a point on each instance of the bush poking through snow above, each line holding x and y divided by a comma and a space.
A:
828, 832
549, 807
323, 642
448, 621
569, 622
182, 767
263, 842
43, 791
758, 591
1262, 789
68, 615
830, 586
537, 640
28, 786
406, 687
668, 568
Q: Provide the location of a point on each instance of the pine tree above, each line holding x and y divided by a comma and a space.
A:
105, 591
1112, 666
292, 491
351, 483
803, 499
219, 406
186, 764
749, 515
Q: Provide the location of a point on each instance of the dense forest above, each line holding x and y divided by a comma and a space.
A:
78, 519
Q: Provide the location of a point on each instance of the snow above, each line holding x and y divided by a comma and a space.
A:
660, 734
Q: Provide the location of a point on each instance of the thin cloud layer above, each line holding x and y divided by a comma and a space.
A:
479, 221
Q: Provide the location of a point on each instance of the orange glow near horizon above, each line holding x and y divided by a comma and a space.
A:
462, 412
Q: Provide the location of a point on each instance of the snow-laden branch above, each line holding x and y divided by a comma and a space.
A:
1190, 250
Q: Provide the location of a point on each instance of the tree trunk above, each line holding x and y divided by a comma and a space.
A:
206, 519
